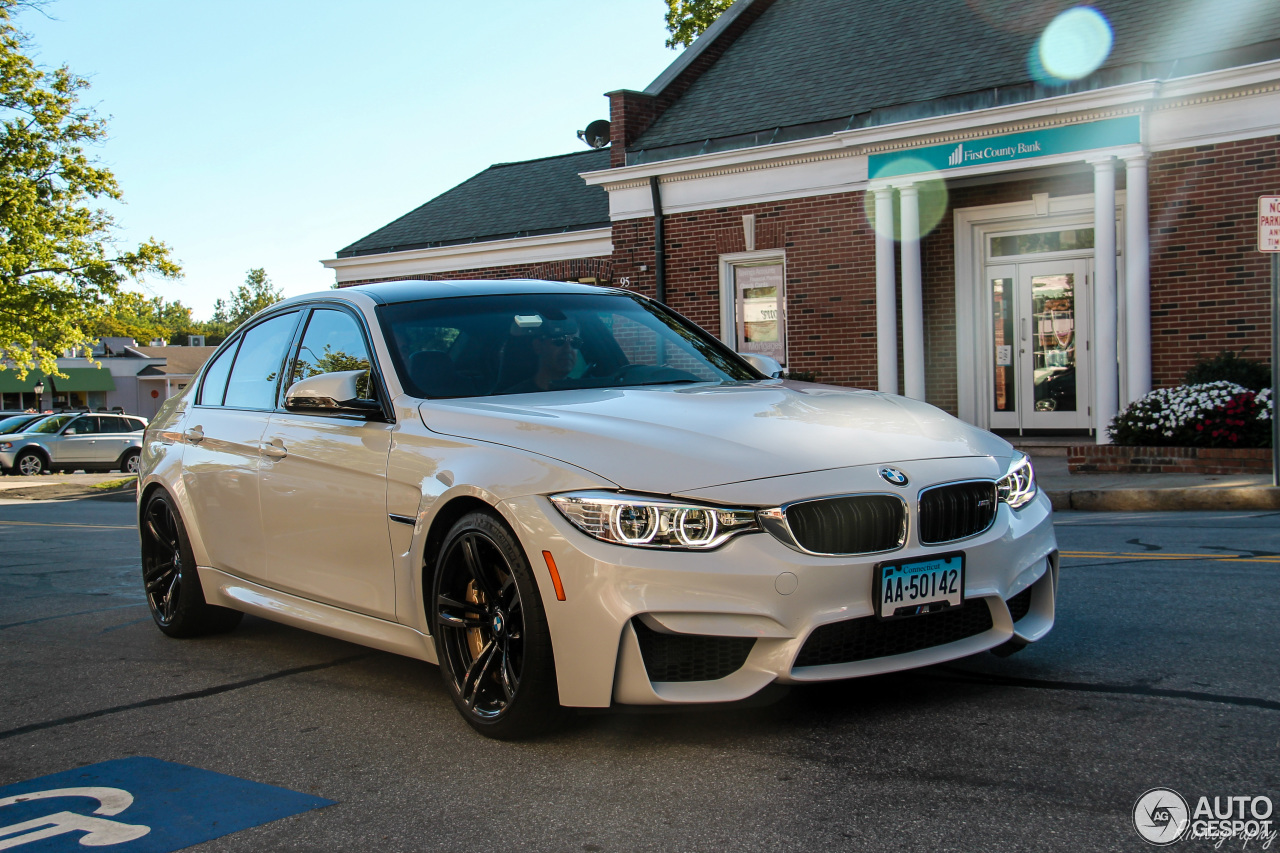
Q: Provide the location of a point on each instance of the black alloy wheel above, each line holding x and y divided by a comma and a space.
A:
491, 632
169, 576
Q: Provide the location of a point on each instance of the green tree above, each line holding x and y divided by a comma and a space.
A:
688, 19
60, 262
133, 315
248, 299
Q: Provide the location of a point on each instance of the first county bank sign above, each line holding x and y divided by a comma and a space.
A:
1046, 142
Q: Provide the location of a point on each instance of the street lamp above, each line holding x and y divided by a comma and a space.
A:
39, 389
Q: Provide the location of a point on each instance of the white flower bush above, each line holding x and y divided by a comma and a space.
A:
1215, 414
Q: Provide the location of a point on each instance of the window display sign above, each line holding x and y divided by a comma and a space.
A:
761, 310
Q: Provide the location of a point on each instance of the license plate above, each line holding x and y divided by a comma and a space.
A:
913, 587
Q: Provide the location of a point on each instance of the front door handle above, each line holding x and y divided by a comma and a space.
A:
195, 435
275, 450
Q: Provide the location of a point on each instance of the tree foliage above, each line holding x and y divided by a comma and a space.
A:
60, 262
688, 19
248, 299
133, 315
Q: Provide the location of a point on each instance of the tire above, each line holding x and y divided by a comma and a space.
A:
30, 464
491, 633
131, 462
169, 576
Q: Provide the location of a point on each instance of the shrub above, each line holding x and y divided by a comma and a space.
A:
1230, 367
1212, 414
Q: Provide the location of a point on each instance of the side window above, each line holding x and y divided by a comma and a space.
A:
332, 343
215, 378
84, 426
112, 424
257, 368
131, 425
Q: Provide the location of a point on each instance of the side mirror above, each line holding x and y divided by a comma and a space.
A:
330, 393
763, 363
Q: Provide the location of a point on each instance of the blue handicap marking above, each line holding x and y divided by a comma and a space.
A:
138, 805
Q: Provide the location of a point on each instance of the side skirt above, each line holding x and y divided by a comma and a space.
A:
227, 590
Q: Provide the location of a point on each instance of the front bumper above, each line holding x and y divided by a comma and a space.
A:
773, 598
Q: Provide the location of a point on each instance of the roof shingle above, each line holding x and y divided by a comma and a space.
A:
543, 196
809, 61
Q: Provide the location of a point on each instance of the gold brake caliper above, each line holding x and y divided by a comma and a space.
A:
475, 636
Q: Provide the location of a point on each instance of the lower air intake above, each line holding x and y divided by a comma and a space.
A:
1020, 604
690, 657
868, 638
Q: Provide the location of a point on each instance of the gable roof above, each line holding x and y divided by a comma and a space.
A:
810, 67
178, 361
543, 196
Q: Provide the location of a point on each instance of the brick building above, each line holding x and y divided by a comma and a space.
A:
1026, 214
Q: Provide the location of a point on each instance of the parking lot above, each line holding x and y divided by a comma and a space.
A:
1161, 672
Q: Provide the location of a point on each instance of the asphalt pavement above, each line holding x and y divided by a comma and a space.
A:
1161, 671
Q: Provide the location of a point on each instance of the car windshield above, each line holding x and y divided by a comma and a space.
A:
478, 346
52, 424
15, 423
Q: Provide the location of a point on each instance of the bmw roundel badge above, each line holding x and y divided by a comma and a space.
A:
893, 476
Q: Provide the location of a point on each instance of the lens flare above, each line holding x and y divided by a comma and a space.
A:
932, 199
1073, 46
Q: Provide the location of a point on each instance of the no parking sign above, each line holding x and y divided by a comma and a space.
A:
138, 805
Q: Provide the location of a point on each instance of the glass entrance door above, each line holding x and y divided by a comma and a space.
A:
1039, 345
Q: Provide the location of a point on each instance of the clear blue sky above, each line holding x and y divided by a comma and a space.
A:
273, 133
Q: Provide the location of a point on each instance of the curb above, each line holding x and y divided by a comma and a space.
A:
1167, 500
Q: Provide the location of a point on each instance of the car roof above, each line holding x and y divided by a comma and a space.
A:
390, 292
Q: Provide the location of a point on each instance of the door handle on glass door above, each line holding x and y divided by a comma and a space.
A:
195, 435
275, 450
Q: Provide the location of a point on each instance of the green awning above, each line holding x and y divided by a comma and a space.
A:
77, 379
84, 379
11, 384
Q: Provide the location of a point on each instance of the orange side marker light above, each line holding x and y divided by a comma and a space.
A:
555, 574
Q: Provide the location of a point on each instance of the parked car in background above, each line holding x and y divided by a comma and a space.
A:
74, 442
14, 424
569, 495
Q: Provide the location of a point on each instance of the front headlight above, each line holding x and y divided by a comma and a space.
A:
653, 522
6, 445
1018, 487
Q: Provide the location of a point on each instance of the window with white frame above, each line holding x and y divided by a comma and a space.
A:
753, 303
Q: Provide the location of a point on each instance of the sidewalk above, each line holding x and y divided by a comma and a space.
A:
65, 487
1085, 492
1151, 492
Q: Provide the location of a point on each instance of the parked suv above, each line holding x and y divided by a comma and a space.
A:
72, 441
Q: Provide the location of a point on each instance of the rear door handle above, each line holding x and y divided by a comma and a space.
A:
275, 450
195, 435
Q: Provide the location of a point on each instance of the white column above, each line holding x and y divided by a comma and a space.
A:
1137, 279
886, 307
912, 296
1106, 377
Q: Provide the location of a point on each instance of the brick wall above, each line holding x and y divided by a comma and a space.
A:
831, 312
1109, 459
1210, 287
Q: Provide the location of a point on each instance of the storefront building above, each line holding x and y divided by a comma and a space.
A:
922, 198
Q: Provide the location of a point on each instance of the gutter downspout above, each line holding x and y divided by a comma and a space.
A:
659, 243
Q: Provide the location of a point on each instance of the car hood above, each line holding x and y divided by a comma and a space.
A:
673, 439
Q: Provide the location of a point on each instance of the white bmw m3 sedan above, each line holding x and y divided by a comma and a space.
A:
570, 496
